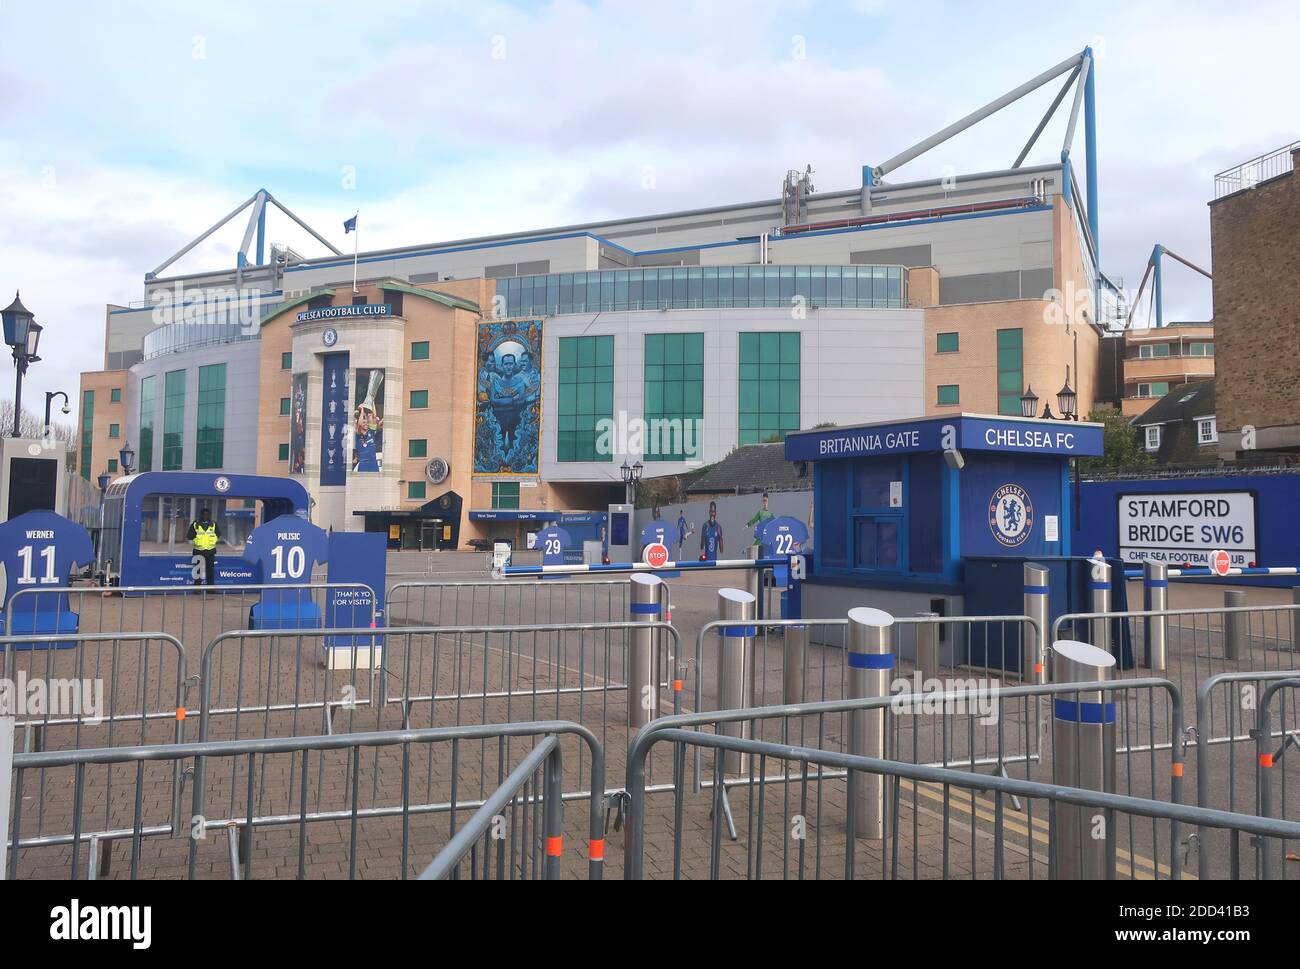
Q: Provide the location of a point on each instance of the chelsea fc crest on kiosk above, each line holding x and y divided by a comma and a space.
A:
1011, 515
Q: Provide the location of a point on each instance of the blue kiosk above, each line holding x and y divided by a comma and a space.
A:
921, 514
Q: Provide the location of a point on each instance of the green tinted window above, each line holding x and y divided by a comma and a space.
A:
420, 350
948, 343
415, 490
173, 420
209, 442
419, 399
87, 430
505, 494
1011, 370
586, 397
673, 395
769, 386
148, 403
949, 395
417, 448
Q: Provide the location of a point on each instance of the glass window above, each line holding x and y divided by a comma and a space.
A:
286, 360
420, 350
419, 399
586, 384
1153, 437
948, 343
112, 465
173, 420
417, 447
415, 491
115, 395
87, 430
673, 395
1207, 431
949, 395
209, 441
284, 452
114, 430
144, 461
769, 386
505, 495
284, 406
1011, 371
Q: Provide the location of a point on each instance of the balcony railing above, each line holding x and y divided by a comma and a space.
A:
1251, 173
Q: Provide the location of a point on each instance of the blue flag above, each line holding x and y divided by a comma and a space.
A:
350, 225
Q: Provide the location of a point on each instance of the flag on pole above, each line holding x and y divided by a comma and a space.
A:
350, 225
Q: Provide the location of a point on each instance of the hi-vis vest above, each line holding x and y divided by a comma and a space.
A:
205, 537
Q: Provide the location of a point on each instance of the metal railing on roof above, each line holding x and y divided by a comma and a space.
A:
1250, 173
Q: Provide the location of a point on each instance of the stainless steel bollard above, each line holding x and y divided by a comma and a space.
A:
870, 663
1155, 629
1236, 625
754, 580
1099, 590
1083, 747
927, 646
736, 666
643, 654
1033, 664
793, 661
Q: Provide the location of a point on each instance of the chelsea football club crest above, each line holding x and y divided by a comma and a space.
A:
1011, 515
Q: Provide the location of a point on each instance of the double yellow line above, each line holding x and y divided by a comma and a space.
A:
984, 808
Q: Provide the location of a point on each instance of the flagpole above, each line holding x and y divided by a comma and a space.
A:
356, 244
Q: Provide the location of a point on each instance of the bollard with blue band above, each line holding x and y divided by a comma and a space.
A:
643, 668
1099, 594
736, 666
1032, 661
1083, 755
870, 661
1155, 629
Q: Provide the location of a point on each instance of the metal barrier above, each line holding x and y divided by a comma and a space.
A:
799, 814
193, 614
1272, 768
1001, 847
375, 815
506, 603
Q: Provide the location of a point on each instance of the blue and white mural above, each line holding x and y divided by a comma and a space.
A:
508, 398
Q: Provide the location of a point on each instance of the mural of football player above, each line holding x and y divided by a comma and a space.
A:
760, 516
684, 530
510, 391
365, 441
711, 543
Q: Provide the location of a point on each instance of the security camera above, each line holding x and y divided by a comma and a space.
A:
66, 408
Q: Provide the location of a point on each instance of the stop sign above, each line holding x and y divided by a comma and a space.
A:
655, 555
1220, 562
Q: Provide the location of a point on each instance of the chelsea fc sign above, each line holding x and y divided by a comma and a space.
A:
1011, 515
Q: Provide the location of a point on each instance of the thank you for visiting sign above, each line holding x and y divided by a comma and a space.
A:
1188, 527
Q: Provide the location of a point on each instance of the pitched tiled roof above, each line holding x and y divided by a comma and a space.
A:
1186, 402
753, 467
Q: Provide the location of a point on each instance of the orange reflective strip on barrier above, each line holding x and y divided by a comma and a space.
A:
1265, 760
1178, 769
180, 713
596, 849
1038, 667
677, 685
555, 846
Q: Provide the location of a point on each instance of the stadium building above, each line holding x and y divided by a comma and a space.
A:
458, 388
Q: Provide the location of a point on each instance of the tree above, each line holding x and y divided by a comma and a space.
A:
1123, 450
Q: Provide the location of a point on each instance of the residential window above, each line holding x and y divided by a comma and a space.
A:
769, 386
115, 395
586, 396
417, 448
114, 430
948, 343
949, 395
1153, 350
1011, 370
87, 430
1200, 349
1153, 437
173, 451
505, 494
419, 399
420, 350
148, 400
210, 441
415, 491
284, 452
1207, 430
1157, 389
284, 406
286, 360
112, 465
673, 395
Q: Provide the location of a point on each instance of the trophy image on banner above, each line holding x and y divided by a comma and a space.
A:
372, 390
367, 450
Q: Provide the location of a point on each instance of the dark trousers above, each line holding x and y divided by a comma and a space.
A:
209, 576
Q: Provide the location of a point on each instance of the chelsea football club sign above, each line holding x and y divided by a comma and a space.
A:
1011, 515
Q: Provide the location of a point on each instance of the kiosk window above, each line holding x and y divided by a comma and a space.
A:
875, 543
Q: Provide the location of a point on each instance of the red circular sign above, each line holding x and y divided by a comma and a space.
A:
655, 555
1220, 562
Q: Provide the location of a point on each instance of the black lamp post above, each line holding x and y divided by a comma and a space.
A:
1067, 401
23, 337
103, 480
1029, 403
49, 399
126, 458
631, 475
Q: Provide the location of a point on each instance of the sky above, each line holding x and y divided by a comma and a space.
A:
127, 129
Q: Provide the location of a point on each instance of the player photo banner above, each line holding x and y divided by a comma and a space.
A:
367, 427
298, 428
508, 398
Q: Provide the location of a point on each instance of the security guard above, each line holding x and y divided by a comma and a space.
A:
204, 535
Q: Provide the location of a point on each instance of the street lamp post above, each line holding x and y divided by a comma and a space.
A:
49, 399
126, 458
631, 475
23, 337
